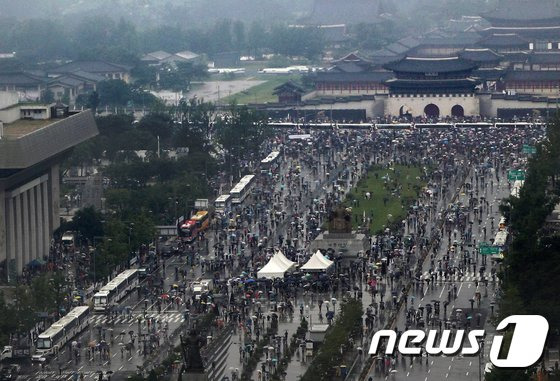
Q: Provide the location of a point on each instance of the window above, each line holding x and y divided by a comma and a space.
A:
531, 46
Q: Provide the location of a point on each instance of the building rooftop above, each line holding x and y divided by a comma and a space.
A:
33, 142
91, 67
24, 127
504, 40
430, 65
480, 55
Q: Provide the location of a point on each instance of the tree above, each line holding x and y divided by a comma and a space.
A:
47, 96
114, 92
93, 101
241, 134
88, 223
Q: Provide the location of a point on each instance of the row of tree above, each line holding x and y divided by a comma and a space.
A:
532, 262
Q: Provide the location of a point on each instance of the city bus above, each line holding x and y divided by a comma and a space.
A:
242, 189
191, 228
51, 341
222, 204
270, 160
115, 290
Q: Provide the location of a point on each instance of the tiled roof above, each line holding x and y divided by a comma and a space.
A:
157, 56
91, 67
504, 40
349, 67
489, 74
288, 86
522, 75
430, 65
544, 58
480, 55
20, 79
373, 76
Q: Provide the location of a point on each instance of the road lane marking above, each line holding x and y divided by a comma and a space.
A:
122, 366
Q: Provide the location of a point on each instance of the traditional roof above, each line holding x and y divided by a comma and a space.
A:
516, 56
409, 42
20, 79
489, 74
372, 76
349, 67
535, 75
460, 40
91, 67
65, 81
90, 77
504, 40
451, 86
156, 56
334, 33
430, 65
187, 55
289, 86
480, 55
544, 58
329, 12
354, 56
397, 48
524, 10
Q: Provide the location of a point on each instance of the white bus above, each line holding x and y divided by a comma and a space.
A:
242, 189
51, 341
115, 290
270, 160
222, 203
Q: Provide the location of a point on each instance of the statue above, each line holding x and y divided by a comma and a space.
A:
191, 352
340, 220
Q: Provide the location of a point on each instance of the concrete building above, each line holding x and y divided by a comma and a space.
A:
30, 153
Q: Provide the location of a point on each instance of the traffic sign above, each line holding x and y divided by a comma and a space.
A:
489, 250
516, 174
529, 149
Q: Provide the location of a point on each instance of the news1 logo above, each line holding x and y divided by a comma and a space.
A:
526, 347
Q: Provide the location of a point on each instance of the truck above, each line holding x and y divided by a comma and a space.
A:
10, 352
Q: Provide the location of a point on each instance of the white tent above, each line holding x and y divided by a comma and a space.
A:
317, 262
276, 267
285, 261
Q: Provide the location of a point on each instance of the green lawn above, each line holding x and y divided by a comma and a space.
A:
386, 199
261, 93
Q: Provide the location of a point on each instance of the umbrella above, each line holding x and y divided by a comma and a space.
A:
250, 280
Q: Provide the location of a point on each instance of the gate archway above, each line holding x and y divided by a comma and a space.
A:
431, 111
458, 111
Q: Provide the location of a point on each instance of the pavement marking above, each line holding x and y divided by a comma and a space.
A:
426, 379
80, 368
441, 293
130, 359
467, 374
122, 366
407, 374
432, 363
446, 375
470, 363
452, 359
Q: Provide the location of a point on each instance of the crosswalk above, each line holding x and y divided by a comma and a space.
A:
466, 277
66, 375
169, 317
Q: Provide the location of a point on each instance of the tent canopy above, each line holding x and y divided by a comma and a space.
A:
317, 262
276, 267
